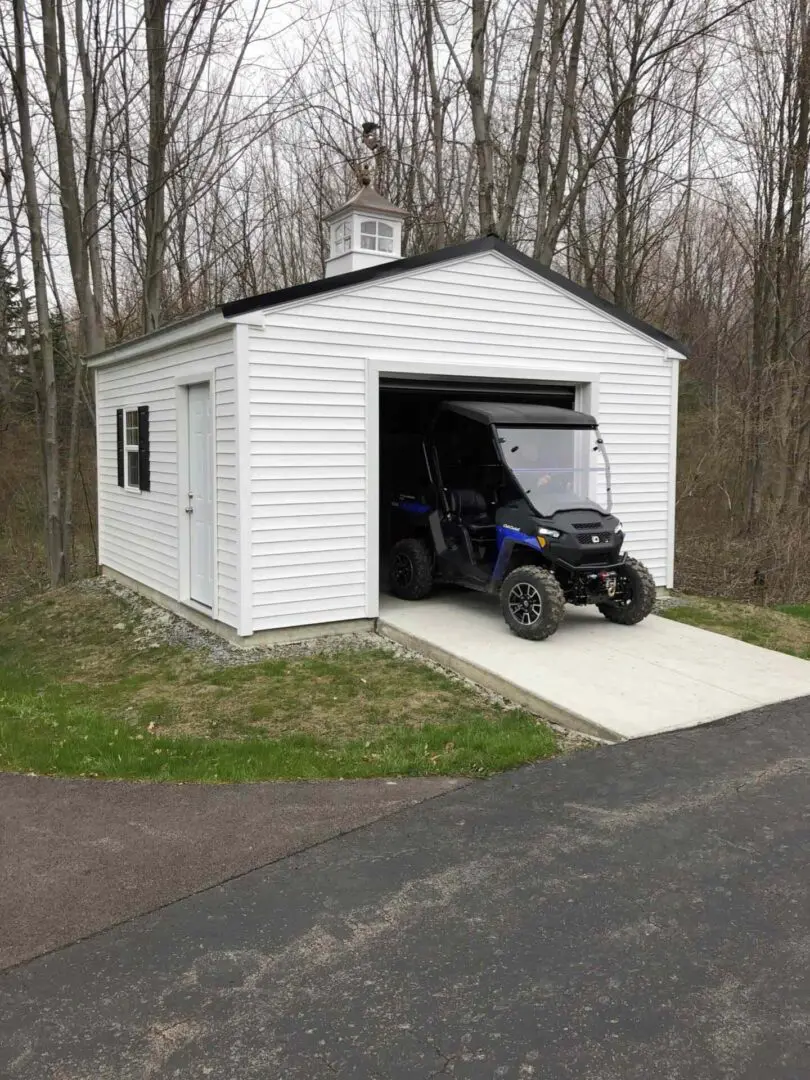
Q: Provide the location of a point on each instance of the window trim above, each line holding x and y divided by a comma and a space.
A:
342, 238
130, 448
376, 235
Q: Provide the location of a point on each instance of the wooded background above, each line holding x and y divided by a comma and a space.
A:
160, 159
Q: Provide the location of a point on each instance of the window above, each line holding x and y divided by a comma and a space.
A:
341, 238
133, 462
133, 448
544, 461
466, 453
376, 236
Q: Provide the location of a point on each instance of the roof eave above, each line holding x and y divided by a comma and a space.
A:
219, 317
174, 333
457, 251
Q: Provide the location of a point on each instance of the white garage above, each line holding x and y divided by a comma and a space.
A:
238, 452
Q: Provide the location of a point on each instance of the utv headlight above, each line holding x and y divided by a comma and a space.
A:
552, 533
619, 528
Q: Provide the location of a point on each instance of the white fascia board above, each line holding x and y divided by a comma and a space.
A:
255, 319
161, 339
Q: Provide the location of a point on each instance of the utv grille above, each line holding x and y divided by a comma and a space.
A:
587, 524
599, 558
595, 538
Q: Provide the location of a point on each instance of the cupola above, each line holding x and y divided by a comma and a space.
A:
365, 231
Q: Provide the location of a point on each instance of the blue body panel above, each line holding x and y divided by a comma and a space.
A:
412, 506
506, 537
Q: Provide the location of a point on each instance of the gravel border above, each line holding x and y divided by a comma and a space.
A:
156, 627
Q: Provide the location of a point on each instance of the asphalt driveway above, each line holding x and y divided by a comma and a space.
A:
632, 912
77, 856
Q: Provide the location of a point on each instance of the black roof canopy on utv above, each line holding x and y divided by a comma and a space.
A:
506, 414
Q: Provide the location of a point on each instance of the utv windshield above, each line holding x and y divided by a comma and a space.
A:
558, 468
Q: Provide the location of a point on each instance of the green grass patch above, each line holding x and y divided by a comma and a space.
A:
799, 611
85, 691
784, 629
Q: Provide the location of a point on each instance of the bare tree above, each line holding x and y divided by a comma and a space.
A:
155, 199
181, 48
79, 244
43, 376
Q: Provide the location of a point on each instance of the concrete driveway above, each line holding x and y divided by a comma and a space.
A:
631, 912
615, 682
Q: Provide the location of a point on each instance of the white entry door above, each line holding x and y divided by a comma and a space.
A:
200, 509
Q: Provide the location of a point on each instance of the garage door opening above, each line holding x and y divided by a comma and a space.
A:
407, 409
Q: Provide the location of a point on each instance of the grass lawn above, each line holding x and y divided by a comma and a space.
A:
800, 611
88, 688
785, 629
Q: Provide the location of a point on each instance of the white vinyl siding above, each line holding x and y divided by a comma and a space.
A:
308, 468
308, 424
138, 531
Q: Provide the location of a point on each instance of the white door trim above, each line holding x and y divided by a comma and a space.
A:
244, 502
586, 399
182, 383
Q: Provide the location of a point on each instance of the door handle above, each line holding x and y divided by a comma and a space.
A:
189, 509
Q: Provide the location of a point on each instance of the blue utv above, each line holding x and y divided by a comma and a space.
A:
505, 498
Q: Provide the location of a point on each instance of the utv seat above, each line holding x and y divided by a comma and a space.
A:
473, 512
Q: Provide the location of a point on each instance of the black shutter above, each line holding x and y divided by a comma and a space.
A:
143, 446
119, 424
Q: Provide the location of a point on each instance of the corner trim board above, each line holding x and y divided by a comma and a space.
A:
244, 502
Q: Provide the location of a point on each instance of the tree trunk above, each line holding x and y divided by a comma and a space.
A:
480, 120
439, 238
5, 350
55, 65
155, 201
47, 377
546, 245
525, 110
621, 143
94, 287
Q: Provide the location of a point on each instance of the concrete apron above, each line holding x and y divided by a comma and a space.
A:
612, 682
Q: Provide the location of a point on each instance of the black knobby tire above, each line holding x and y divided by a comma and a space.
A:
636, 580
532, 602
410, 572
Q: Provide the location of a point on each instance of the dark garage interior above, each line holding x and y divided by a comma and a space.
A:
407, 407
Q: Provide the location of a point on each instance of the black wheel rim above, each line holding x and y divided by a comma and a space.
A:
628, 593
402, 569
525, 603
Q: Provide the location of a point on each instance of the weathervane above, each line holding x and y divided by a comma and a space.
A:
369, 137
363, 170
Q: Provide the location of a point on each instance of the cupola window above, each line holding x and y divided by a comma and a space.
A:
341, 238
376, 236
